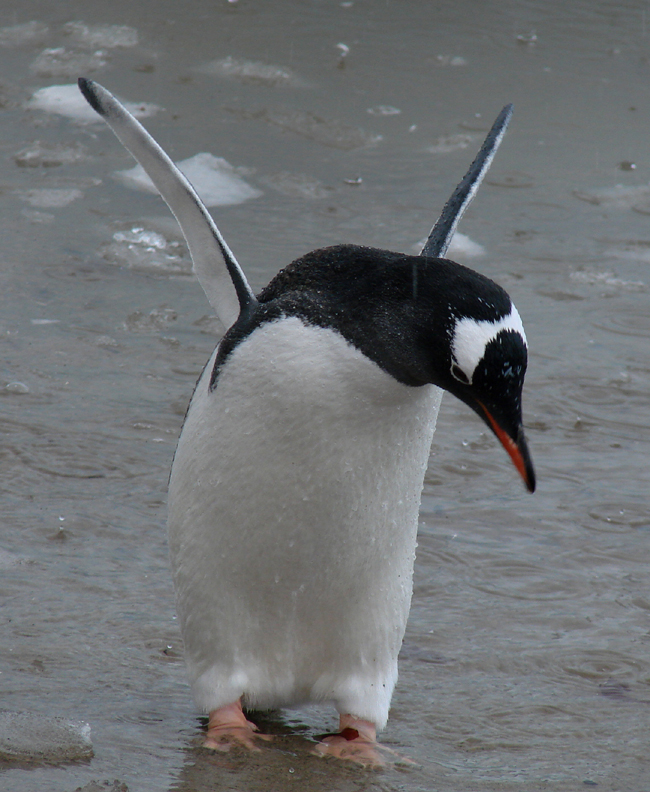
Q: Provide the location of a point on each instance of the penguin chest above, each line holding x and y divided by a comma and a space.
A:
296, 485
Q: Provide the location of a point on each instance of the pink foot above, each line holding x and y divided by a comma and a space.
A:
357, 742
228, 727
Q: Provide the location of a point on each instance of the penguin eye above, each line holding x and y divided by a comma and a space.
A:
459, 374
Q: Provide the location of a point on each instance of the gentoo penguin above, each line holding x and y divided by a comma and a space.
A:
296, 484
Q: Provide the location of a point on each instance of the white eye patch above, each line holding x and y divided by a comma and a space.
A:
471, 338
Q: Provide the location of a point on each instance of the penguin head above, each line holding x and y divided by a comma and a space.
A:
459, 330
487, 364
422, 320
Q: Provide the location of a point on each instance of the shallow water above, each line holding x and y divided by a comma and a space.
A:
525, 663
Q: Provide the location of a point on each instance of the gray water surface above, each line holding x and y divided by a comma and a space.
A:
526, 660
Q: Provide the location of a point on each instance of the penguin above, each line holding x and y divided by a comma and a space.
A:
295, 487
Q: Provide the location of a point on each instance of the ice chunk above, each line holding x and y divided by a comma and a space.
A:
595, 278
155, 321
138, 236
139, 248
450, 60
297, 185
60, 62
384, 110
49, 155
251, 71
39, 218
619, 196
66, 100
445, 144
214, 179
464, 247
106, 342
50, 198
108, 36
27, 33
31, 737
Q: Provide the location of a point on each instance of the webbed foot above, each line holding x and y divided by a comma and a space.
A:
228, 728
357, 742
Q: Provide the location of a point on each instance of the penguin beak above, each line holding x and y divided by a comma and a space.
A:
516, 447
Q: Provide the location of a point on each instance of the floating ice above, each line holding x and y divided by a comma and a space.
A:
252, 71
214, 179
109, 36
636, 250
66, 100
618, 197
40, 218
27, 33
50, 198
139, 248
464, 247
106, 342
49, 155
296, 185
60, 62
31, 737
445, 144
154, 321
598, 278
384, 110
138, 236
450, 60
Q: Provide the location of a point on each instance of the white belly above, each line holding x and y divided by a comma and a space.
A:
293, 509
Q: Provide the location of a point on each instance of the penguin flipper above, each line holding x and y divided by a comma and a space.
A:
215, 266
444, 229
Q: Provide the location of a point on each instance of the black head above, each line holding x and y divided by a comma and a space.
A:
423, 320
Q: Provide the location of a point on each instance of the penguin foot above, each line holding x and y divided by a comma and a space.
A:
357, 742
228, 728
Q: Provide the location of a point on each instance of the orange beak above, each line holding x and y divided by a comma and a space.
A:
517, 450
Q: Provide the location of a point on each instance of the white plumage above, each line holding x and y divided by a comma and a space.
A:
293, 509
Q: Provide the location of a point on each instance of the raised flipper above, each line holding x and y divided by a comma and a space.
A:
215, 266
443, 231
